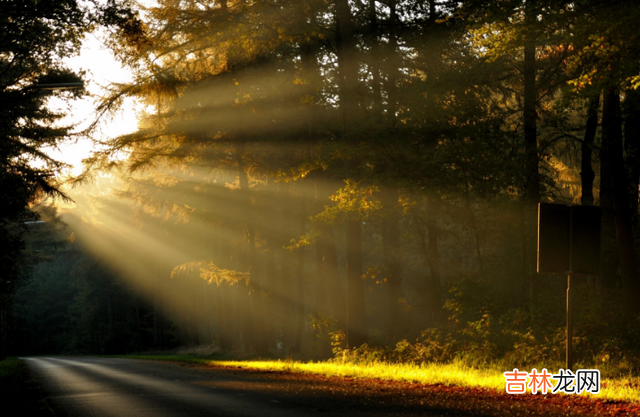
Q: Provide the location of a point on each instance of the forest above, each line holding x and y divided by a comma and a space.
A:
325, 178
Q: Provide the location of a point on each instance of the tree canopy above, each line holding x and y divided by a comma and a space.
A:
35, 38
321, 172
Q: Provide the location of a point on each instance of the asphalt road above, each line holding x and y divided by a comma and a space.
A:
104, 387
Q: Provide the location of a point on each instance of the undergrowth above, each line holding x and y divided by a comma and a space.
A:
15, 390
477, 331
479, 340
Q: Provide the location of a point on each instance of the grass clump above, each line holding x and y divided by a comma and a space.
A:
15, 389
10, 372
455, 373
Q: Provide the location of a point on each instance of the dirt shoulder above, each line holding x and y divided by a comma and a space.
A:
373, 396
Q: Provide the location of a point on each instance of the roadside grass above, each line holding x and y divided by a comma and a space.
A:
456, 373
11, 376
9, 371
15, 389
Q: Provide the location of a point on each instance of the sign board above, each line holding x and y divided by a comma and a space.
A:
568, 239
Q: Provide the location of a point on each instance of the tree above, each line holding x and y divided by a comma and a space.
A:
426, 131
606, 61
35, 38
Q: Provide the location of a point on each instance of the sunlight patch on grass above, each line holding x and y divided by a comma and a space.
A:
452, 374
449, 374
621, 389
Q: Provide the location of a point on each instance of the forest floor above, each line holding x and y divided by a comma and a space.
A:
441, 398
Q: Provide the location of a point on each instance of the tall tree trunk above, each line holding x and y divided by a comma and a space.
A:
320, 303
272, 282
237, 303
3, 326
321, 279
194, 328
321, 309
110, 312
609, 248
258, 295
156, 338
248, 328
374, 58
349, 79
632, 152
287, 282
587, 174
335, 286
618, 180
226, 300
139, 319
348, 67
530, 117
183, 334
299, 313
434, 284
394, 73
391, 253
532, 190
433, 13
221, 319
428, 240
356, 317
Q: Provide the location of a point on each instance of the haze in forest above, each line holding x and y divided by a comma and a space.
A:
322, 178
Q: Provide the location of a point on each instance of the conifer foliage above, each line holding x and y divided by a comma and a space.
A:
35, 36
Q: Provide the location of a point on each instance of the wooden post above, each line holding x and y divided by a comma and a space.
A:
569, 346
569, 350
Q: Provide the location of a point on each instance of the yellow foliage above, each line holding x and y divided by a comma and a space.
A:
353, 202
208, 271
187, 269
211, 273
